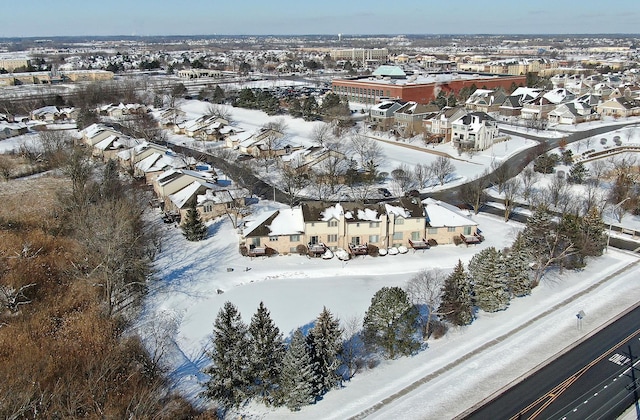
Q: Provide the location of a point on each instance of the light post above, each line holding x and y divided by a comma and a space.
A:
611, 223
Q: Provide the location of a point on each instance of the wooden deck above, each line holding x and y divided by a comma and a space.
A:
358, 249
423, 244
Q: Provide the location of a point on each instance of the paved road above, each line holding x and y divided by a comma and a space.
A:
594, 380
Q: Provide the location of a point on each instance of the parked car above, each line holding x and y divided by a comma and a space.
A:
385, 192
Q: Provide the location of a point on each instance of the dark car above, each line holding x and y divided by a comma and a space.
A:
385, 192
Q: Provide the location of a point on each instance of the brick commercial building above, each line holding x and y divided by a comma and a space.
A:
421, 89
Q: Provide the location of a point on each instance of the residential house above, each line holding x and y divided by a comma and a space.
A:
11, 129
438, 127
408, 118
512, 105
573, 112
381, 115
157, 163
539, 108
211, 200
121, 110
406, 222
446, 223
95, 133
345, 225
476, 130
173, 180
279, 230
485, 100
47, 114
619, 107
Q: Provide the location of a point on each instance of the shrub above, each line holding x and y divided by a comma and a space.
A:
372, 250
302, 249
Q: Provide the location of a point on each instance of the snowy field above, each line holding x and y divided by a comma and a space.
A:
195, 279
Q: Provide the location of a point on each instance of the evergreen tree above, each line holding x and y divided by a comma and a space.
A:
456, 306
193, 228
218, 95
111, 186
295, 108
266, 351
310, 108
296, 379
516, 268
325, 343
593, 229
578, 173
489, 283
229, 373
246, 99
390, 323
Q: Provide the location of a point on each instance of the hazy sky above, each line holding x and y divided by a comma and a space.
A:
251, 17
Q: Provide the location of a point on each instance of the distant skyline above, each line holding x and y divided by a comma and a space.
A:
44, 18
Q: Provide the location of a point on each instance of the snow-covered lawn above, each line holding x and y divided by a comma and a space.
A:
195, 279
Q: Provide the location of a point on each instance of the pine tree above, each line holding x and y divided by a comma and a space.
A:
593, 230
578, 173
489, 283
325, 343
457, 306
296, 379
229, 373
266, 351
516, 268
193, 228
390, 323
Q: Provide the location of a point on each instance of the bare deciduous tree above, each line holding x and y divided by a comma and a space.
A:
473, 192
401, 179
322, 133
529, 178
598, 169
511, 190
422, 175
353, 350
425, 291
442, 168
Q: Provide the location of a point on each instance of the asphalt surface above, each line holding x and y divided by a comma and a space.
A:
594, 380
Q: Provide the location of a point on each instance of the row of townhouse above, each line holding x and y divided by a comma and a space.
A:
319, 225
178, 181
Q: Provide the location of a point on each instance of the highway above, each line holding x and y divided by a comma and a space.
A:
598, 379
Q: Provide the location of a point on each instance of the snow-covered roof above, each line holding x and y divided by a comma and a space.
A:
396, 211
333, 212
181, 197
441, 214
276, 223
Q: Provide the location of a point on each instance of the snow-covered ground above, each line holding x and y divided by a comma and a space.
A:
195, 279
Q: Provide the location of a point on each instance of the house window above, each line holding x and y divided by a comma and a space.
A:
374, 224
415, 236
432, 231
208, 208
332, 238
313, 240
355, 240
357, 224
467, 230
333, 223
255, 241
374, 238
451, 229
399, 221
294, 238
273, 239
397, 236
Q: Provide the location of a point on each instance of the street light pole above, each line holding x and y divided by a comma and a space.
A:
611, 223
